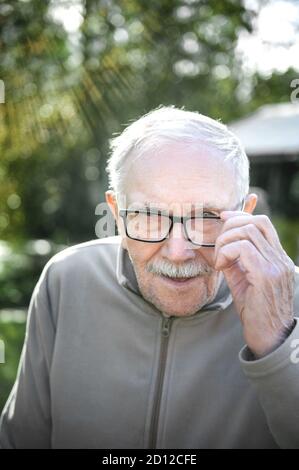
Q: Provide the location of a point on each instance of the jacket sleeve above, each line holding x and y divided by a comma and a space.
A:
26, 419
276, 379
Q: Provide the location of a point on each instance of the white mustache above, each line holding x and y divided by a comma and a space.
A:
190, 269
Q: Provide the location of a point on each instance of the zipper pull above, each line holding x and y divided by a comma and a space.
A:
166, 326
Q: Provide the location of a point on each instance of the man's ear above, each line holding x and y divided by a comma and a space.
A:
112, 203
113, 206
250, 202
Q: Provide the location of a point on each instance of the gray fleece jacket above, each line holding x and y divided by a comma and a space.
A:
103, 368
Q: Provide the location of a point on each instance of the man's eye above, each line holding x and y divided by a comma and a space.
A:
209, 214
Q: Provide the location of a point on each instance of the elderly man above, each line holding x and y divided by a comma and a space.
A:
180, 332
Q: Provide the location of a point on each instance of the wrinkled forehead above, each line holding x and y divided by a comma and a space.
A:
180, 177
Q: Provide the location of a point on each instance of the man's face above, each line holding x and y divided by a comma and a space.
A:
177, 177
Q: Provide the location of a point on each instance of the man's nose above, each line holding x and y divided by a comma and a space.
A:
177, 247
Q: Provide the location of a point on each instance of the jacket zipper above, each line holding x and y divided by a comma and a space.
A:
166, 324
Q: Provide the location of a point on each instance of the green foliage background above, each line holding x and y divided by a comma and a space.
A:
67, 94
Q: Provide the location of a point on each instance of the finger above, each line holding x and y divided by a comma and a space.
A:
234, 219
247, 232
244, 251
228, 214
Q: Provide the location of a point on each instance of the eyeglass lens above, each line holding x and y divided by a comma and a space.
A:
155, 227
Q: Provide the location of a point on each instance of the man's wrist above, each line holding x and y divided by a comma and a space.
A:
282, 337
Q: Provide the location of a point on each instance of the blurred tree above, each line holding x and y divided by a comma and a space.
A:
67, 93
13, 335
65, 98
265, 89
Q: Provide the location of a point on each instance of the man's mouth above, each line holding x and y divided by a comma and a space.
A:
178, 281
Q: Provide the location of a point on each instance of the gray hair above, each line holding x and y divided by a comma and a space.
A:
169, 124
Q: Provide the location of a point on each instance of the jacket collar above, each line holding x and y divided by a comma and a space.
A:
127, 278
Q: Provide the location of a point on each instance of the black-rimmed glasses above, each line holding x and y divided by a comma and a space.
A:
152, 226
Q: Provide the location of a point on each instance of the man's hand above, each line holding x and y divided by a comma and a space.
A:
260, 276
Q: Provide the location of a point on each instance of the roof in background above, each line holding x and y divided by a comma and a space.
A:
271, 130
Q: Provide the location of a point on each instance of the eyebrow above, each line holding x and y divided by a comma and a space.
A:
208, 207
